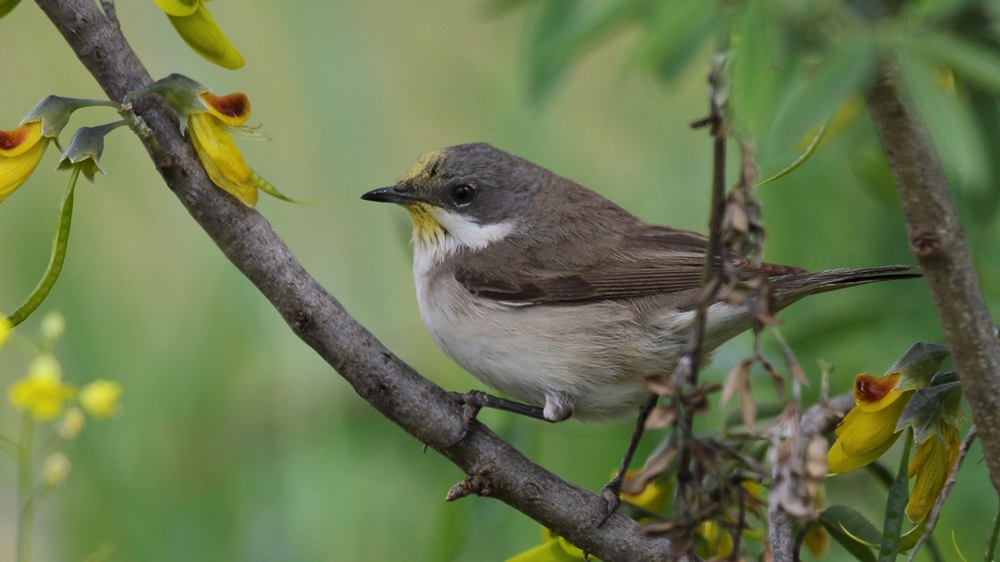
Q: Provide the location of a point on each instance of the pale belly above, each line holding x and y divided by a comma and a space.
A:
596, 356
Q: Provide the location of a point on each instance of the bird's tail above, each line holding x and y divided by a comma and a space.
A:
790, 288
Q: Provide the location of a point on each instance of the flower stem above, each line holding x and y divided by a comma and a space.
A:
10, 446
56, 260
24, 490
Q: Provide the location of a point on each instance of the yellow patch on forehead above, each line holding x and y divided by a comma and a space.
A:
425, 228
421, 171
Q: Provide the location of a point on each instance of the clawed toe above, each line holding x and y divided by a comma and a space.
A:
471, 403
612, 496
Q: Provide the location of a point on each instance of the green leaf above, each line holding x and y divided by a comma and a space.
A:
847, 526
969, 60
756, 68
676, 33
546, 67
948, 119
910, 538
933, 11
843, 72
564, 31
895, 506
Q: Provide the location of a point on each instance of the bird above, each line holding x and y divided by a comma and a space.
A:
559, 298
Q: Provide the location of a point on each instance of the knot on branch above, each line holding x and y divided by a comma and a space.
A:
926, 244
300, 320
479, 484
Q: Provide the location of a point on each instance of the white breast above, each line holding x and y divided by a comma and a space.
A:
594, 355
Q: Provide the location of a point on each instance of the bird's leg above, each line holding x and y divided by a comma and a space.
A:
613, 490
476, 400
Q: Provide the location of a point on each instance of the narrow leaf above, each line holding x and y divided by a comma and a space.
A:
895, 506
949, 120
853, 523
910, 538
546, 63
831, 521
972, 61
676, 34
759, 67
843, 72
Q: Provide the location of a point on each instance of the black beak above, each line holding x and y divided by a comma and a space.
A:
391, 194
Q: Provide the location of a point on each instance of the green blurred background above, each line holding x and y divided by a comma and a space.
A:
235, 441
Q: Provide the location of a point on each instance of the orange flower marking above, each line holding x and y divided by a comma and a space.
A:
232, 109
13, 142
875, 393
869, 389
20, 152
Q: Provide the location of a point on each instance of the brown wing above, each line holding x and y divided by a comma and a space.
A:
647, 260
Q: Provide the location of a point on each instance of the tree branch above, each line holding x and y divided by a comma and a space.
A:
392, 387
937, 241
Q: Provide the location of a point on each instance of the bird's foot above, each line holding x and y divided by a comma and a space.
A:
611, 494
471, 403
475, 400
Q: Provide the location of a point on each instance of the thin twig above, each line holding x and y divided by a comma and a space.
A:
948, 485
108, 7
710, 274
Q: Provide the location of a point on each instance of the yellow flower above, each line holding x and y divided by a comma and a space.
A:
211, 121
20, 152
42, 392
874, 424
718, 541
869, 429
100, 398
654, 496
931, 464
217, 150
553, 549
21, 149
196, 26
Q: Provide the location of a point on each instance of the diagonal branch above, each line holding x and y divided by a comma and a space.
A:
392, 387
938, 242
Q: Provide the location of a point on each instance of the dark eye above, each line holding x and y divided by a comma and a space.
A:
463, 194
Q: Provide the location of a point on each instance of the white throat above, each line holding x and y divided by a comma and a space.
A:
453, 232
